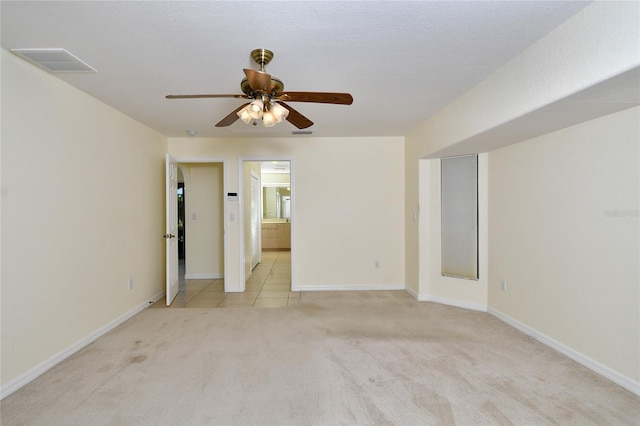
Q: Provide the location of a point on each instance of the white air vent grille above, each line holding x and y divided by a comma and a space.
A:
54, 60
302, 132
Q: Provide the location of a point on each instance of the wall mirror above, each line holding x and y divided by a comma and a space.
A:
276, 201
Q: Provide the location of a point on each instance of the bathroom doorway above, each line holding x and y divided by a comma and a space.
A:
268, 218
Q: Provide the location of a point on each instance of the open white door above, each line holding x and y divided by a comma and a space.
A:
171, 214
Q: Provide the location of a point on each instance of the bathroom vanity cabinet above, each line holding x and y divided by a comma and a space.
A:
276, 236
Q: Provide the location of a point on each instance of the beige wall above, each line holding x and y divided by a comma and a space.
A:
412, 216
348, 200
571, 265
275, 178
82, 212
433, 286
204, 234
549, 76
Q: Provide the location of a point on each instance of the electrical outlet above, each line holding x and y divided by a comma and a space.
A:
377, 264
130, 283
503, 285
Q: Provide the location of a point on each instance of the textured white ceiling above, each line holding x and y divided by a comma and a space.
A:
401, 61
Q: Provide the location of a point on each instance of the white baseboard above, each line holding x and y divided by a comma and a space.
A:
203, 276
347, 287
451, 302
617, 378
411, 292
41, 368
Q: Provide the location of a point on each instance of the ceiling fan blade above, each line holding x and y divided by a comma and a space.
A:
318, 97
205, 96
258, 80
297, 119
231, 118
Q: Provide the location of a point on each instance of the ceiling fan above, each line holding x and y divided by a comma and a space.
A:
268, 96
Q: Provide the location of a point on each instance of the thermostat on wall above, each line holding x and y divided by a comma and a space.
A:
232, 196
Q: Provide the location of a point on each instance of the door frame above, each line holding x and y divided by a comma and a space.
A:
241, 211
259, 242
225, 171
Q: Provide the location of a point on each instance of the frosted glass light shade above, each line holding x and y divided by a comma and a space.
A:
269, 119
244, 115
279, 112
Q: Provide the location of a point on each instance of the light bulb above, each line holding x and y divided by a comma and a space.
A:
255, 108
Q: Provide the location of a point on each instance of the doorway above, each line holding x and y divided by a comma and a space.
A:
268, 221
181, 224
200, 197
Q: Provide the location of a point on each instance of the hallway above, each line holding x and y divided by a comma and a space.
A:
268, 287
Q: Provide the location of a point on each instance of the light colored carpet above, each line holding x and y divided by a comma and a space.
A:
335, 358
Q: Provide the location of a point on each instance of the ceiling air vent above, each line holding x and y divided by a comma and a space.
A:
301, 132
54, 60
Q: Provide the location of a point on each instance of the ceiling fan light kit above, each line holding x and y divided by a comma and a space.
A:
267, 95
270, 112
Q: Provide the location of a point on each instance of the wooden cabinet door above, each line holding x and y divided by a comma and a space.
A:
284, 236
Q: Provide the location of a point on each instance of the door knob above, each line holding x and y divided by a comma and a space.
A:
168, 236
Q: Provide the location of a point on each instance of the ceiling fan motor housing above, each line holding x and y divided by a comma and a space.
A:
277, 86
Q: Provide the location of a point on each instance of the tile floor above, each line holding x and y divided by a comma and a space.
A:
268, 287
